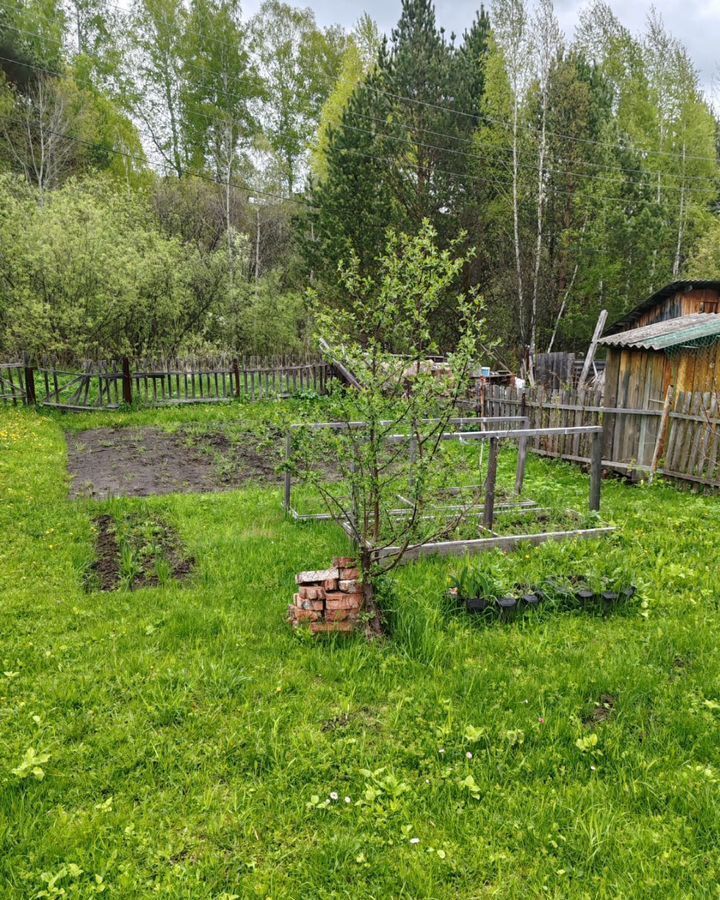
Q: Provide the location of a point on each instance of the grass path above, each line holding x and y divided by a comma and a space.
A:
195, 744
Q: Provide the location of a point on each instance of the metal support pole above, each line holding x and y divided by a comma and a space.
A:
288, 480
489, 512
596, 471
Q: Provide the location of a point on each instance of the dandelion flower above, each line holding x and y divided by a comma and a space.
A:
348, 800
333, 795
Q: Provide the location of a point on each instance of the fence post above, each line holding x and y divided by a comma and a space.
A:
236, 372
662, 433
126, 381
489, 511
596, 470
30, 396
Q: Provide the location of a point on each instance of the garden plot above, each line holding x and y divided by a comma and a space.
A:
141, 462
136, 550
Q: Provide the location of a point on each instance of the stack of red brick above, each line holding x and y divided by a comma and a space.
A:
328, 600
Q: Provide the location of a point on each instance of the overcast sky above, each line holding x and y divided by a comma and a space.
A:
695, 22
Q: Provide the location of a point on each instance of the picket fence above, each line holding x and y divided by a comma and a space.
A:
101, 385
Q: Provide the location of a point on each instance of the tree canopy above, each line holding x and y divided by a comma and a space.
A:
577, 172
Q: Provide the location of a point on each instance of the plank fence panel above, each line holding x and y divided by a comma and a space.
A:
691, 447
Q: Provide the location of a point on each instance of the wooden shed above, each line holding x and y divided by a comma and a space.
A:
681, 298
642, 364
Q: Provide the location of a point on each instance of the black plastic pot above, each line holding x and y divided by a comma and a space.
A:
629, 592
610, 597
476, 605
584, 596
507, 607
531, 600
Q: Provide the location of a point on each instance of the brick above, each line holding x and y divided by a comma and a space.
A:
348, 573
329, 627
307, 615
343, 601
308, 592
350, 586
317, 577
330, 584
316, 605
341, 615
343, 562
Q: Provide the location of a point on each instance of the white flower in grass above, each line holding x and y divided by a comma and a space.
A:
414, 840
333, 795
469, 755
348, 800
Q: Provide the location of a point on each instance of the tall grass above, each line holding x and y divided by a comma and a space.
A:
195, 744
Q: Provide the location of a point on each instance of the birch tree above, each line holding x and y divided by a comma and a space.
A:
155, 75
510, 24
547, 44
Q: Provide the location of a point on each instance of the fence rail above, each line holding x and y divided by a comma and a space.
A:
95, 386
679, 438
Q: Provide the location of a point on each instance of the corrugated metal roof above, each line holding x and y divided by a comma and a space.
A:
698, 327
676, 287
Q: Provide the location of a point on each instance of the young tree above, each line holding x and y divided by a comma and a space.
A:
385, 336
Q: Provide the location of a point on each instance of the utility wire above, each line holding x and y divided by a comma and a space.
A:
475, 157
115, 151
479, 117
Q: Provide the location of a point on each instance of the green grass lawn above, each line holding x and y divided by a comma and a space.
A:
192, 746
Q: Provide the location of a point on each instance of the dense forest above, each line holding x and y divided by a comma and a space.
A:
175, 175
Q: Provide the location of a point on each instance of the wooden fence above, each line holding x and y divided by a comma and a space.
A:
679, 439
101, 385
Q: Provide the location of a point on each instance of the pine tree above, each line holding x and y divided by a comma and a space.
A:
399, 155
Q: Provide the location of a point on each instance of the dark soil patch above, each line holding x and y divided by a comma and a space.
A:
137, 551
604, 709
141, 462
105, 571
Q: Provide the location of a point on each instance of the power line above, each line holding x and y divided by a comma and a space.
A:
479, 117
507, 124
247, 188
549, 169
475, 157
115, 151
621, 201
603, 166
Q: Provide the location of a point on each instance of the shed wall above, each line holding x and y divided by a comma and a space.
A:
639, 379
698, 300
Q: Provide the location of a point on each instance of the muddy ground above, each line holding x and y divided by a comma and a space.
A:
141, 462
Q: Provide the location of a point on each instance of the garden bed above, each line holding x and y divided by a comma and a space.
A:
136, 550
142, 462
